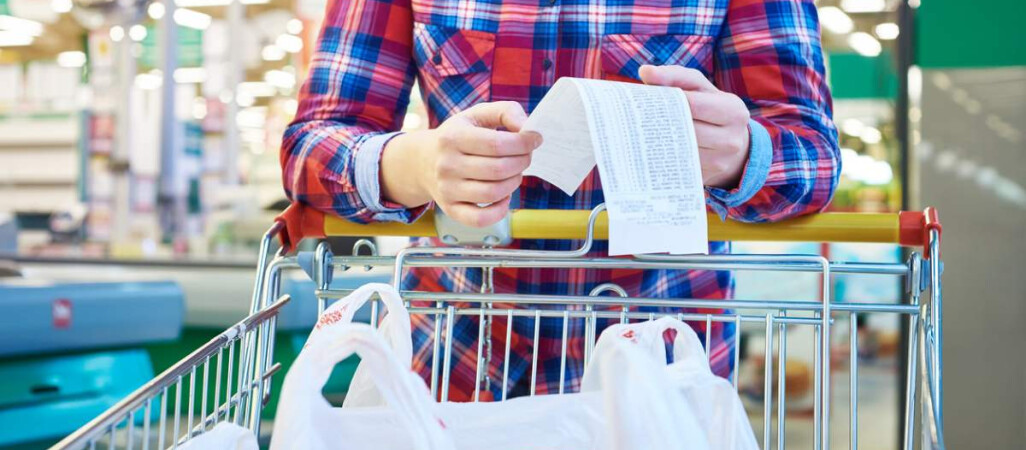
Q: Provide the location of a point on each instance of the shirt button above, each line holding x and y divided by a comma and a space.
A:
437, 59
547, 64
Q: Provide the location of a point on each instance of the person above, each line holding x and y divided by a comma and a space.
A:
753, 73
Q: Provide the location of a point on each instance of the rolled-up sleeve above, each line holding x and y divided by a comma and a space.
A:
770, 55
352, 102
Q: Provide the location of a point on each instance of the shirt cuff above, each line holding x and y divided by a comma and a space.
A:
760, 155
368, 182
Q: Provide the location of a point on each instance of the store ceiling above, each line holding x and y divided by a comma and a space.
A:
67, 31
65, 34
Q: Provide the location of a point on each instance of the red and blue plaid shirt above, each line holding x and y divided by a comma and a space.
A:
463, 52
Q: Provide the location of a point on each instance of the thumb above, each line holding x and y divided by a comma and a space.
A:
508, 115
676, 76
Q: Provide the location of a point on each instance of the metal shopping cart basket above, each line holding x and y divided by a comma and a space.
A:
229, 378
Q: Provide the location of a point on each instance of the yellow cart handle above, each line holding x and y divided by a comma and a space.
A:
904, 228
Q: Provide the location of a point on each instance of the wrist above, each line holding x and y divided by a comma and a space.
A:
402, 174
735, 170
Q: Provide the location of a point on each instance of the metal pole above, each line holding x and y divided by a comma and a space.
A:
908, 168
171, 201
233, 76
119, 161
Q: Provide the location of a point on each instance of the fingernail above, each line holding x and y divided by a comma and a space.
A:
535, 138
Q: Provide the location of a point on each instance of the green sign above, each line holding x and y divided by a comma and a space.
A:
960, 33
854, 76
190, 47
4, 9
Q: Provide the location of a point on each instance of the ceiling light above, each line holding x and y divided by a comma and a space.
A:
155, 10
942, 81
289, 43
192, 19
21, 26
966, 169
865, 44
835, 20
245, 100
863, 6
294, 26
199, 108
257, 89
9, 39
946, 160
973, 106
280, 79
1010, 191
914, 78
986, 176
887, 31
915, 114
71, 59
852, 127
190, 75
848, 157
272, 53
137, 33
871, 136
878, 173
148, 81
61, 6
117, 33
290, 106
960, 96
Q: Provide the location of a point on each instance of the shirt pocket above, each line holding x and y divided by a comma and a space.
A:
454, 65
623, 54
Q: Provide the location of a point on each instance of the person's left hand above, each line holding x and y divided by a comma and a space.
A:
721, 122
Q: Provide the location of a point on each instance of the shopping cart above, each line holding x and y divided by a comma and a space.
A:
229, 378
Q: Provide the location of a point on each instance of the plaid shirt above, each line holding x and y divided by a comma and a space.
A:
464, 52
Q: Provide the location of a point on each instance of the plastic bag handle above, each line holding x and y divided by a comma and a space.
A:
397, 332
688, 351
403, 391
640, 403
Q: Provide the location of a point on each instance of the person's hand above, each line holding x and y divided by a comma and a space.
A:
721, 122
469, 165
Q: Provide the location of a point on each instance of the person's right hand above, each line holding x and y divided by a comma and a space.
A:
468, 166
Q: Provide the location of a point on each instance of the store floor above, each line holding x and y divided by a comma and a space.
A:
878, 418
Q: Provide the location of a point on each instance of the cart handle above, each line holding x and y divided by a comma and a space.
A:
906, 228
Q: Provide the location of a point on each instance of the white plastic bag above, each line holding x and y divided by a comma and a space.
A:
712, 399
395, 327
224, 436
306, 421
628, 388
627, 404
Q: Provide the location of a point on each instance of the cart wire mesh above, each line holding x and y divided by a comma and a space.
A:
229, 378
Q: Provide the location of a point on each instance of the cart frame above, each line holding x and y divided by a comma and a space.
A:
128, 423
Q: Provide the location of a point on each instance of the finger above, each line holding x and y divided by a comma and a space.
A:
717, 108
486, 142
508, 115
676, 76
486, 168
476, 216
481, 192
